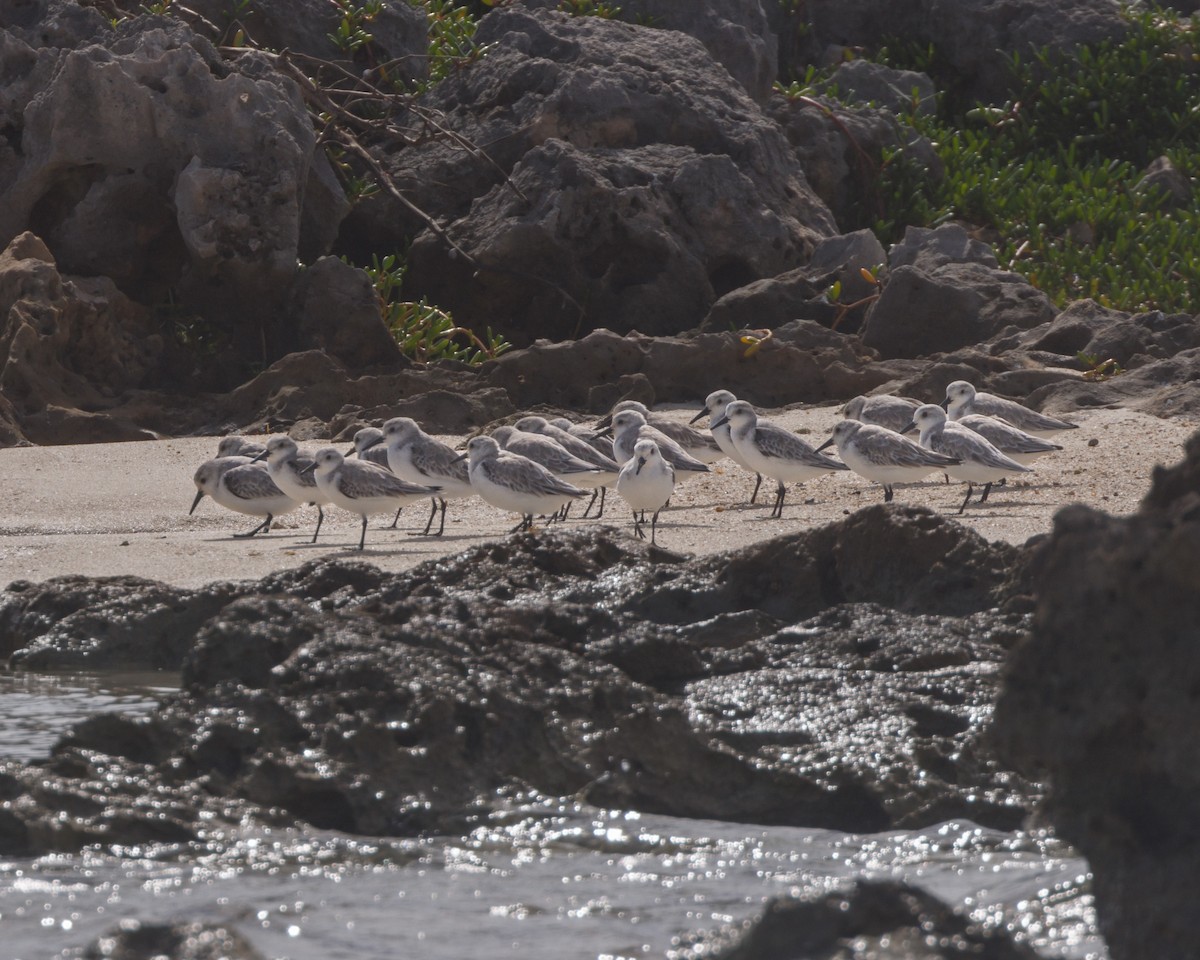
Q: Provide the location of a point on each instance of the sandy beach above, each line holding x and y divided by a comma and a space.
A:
121, 508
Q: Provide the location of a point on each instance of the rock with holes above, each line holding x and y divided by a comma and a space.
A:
627, 184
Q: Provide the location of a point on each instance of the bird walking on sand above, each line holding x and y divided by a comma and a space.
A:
700, 445
774, 452
512, 482
883, 456
979, 461
415, 456
962, 398
714, 408
362, 487
646, 482
293, 474
629, 426
1023, 447
241, 485
577, 447
895, 413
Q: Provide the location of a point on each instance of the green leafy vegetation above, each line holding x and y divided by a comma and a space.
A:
1051, 178
423, 331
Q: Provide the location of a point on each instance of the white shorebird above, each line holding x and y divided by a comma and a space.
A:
512, 482
884, 456
362, 487
629, 426
368, 446
235, 446
292, 473
962, 399
239, 484
555, 458
980, 461
699, 445
415, 456
1021, 446
714, 408
774, 452
895, 413
646, 482
579, 447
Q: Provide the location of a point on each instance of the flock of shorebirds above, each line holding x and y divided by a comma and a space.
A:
539, 467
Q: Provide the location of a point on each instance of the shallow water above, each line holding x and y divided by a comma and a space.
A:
541, 880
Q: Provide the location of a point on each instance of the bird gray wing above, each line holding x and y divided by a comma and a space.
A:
968, 445
373, 481
251, 482
684, 435
527, 476
435, 459
774, 441
1006, 437
672, 452
889, 449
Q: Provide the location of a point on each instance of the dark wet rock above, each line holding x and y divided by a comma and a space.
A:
881, 919
138, 940
813, 680
1100, 702
641, 185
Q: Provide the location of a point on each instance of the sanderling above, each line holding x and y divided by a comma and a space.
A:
513, 482
551, 455
240, 484
895, 413
362, 487
980, 461
773, 451
646, 482
962, 398
629, 426
714, 408
292, 473
701, 446
234, 446
1021, 446
368, 445
581, 448
419, 458
884, 456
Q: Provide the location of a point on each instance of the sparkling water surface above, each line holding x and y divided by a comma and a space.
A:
542, 880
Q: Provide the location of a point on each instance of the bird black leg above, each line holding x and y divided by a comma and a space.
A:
887, 493
525, 524
986, 490
595, 494
442, 522
637, 527
603, 496
362, 540
970, 490
261, 528
653, 528
780, 493
429, 523
320, 520
396, 519
757, 484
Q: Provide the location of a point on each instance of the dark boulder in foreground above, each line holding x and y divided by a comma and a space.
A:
134, 940
880, 919
1103, 702
841, 677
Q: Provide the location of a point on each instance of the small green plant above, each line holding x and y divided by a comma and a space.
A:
161, 8
425, 332
589, 8
1096, 369
353, 31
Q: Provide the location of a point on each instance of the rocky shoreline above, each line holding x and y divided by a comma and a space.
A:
646, 217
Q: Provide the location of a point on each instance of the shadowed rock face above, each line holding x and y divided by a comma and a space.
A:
789, 683
1102, 702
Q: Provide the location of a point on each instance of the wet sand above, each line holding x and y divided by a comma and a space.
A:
111, 509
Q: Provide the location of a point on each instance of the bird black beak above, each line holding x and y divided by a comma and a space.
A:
912, 425
827, 443
641, 463
719, 422
605, 432
700, 415
945, 404
460, 457
309, 469
373, 443
261, 456
196, 502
